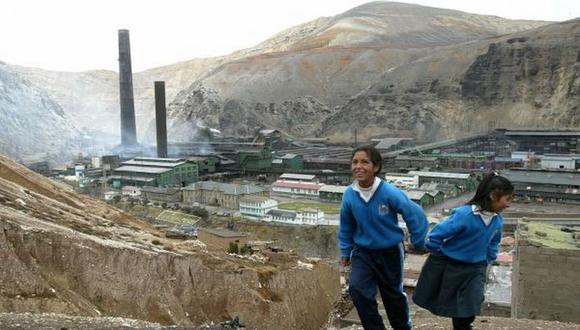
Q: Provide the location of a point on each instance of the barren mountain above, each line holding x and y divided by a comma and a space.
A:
315, 71
526, 79
306, 80
383, 24
70, 254
91, 98
33, 125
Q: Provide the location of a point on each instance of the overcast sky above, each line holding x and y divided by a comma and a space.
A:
77, 35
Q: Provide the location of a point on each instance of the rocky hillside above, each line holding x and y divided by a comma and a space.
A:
526, 79
70, 254
91, 98
33, 125
400, 69
313, 73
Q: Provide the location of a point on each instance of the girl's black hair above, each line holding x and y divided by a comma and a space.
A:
491, 183
373, 154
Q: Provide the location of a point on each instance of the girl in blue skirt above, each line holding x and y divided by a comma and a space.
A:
452, 280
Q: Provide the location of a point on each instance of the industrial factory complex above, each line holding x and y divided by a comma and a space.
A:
543, 164
271, 177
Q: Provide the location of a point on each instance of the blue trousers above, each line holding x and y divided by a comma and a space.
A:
383, 269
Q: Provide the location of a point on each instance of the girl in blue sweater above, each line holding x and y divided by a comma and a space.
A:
370, 241
452, 280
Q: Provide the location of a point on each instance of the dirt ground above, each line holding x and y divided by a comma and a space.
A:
28, 321
493, 323
485, 323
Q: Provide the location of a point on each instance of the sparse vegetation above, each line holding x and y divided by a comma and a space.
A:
245, 249
233, 248
197, 211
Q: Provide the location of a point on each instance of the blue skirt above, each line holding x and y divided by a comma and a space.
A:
450, 288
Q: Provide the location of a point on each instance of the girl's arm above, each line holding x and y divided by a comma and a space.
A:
493, 247
444, 231
346, 229
413, 215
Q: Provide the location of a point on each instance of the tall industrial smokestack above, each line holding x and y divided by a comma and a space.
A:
161, 119
128, 130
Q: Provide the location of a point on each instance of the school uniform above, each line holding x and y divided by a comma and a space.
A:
370, 236
452, 280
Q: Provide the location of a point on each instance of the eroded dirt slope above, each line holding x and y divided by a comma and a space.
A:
65, 253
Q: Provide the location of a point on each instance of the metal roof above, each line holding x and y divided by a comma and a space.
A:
333, 189
544, 177
297, 184
227, 188
156, 159
293, 176
429, 186
389, 142
543, 133
402, 175
132, 178
559, 158
417, 194
419, 158
141, 169
446, 175
154, 163
289, 156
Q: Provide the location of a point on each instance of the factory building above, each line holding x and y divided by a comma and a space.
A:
158, 172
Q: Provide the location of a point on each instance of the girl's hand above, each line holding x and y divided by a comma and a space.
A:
413, 250
345, 261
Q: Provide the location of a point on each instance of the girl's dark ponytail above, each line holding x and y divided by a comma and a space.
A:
491, 183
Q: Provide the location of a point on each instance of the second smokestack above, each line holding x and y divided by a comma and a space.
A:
161, 119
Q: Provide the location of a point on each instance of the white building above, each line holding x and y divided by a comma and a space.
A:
256, 207
560, 162
403, 181
131, 191
310, 216
523, 155
289, 187
300, 217
96, 162
110, 195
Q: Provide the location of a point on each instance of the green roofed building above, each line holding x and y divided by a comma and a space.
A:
158, 172
255, 160
205, 165
292, 161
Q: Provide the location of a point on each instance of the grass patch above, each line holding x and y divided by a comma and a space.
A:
549, 235
324, 207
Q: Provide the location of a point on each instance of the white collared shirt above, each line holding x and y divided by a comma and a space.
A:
366, 193
485, 215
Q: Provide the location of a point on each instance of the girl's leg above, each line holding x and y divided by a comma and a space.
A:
463, 323
390, 274
363, 288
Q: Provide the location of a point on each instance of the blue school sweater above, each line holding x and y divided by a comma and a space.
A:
374, 225
465, 237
